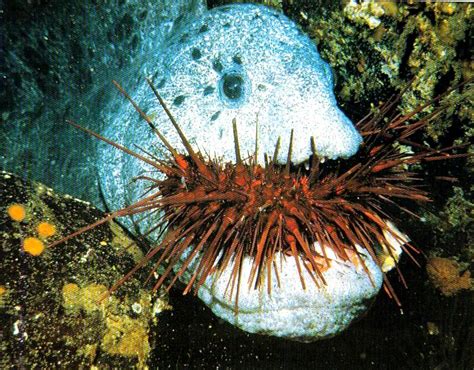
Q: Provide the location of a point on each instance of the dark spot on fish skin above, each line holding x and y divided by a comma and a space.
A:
261, 87
276, 15
184, 38
179, 19
217, 65
215, 115
221, 133
226, 25
142, 15
196, 54
204, 28
123, 28
237, 59
224, 9
208, 90
134, 43
178, 100
161, 83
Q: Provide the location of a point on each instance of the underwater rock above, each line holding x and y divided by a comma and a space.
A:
53, 298
376, 48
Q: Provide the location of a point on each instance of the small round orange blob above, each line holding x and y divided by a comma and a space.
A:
17, 212
33, 246
46, 229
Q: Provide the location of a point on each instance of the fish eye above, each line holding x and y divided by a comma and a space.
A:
234, 87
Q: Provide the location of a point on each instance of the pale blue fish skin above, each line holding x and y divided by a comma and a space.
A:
242, 61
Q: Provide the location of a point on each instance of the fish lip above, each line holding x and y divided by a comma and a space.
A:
348, 141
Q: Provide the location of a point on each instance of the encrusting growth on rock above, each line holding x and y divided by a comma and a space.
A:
16, 212
33, 246
446, 276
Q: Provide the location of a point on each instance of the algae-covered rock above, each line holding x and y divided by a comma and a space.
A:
452, 226
377, 47
55, 310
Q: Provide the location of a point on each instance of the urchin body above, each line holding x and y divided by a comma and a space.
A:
271, 250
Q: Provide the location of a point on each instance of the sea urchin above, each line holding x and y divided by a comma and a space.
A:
213, 216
